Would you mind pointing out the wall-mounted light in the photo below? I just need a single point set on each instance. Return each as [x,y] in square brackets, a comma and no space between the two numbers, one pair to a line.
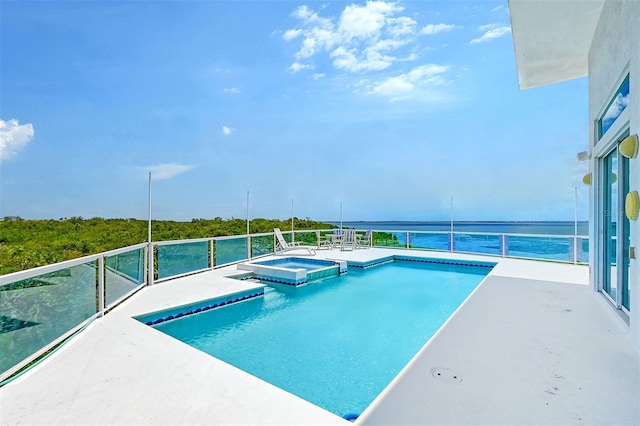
[586,179]
[632,205]
[629,146]
[583,156]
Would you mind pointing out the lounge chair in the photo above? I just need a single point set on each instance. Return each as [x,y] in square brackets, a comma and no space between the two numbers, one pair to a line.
[364,241]
[349,239]
[282,246]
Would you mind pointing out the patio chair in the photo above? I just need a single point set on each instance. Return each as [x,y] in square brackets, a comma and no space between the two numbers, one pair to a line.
[349,239]
[337,237]
[282,246]
[364,241]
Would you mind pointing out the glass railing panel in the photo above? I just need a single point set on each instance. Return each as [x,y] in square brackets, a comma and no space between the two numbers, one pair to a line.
[389,239]
[230,250]
[176,259]
[428,241]
[306,238]
[474,243]
[543,247]
[123,273]
[36,311]
[585,250]
[287,236]
[261,245]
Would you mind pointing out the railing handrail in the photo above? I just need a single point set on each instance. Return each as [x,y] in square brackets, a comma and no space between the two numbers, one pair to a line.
[185,241]
[32,272]
[511,234]
[53,267]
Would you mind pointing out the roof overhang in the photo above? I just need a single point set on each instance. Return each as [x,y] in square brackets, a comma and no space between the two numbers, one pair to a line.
[551,39]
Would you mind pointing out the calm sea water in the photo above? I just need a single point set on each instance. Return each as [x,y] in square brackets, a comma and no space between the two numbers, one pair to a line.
[541,240]
[548,228]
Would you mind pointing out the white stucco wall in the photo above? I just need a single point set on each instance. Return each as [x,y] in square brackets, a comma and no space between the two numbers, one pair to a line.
[615,49]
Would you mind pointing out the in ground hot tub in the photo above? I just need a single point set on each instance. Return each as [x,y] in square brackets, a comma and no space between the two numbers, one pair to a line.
[294,271]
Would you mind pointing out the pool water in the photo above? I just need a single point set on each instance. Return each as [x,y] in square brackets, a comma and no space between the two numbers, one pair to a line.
[298,265]
[339,342]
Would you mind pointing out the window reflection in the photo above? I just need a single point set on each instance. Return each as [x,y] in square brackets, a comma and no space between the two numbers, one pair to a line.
[618,104]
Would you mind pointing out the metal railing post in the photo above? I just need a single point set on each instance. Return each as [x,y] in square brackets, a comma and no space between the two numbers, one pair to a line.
[248,246]
[101,285]
[150,264]
[407,239]
[505,245]
[212,258]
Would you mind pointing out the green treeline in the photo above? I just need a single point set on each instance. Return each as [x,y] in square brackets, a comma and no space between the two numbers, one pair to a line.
[27,244]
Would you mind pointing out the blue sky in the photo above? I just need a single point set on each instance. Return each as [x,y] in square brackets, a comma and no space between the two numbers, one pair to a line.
[389,108]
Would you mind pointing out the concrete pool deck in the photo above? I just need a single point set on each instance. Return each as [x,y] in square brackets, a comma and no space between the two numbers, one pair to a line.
[532,345]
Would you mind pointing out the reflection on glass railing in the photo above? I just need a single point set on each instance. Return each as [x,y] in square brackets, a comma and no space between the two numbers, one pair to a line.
[123,272]
[36,311]
[429,241]
[176,259]
[389,238]
[261,245]
[474,243]
[230,250]
[545,248]
[306,238]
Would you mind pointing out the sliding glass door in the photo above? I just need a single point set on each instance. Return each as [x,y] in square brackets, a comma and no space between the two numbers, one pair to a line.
[614,261]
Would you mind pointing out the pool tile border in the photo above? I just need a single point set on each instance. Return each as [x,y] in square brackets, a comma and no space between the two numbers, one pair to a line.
[158,317]
[396,257]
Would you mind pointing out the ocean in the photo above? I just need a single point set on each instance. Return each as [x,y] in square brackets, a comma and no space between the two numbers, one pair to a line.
[498,227]
[531,240]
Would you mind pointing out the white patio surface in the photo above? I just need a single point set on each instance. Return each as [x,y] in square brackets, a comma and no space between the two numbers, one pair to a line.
[532,345]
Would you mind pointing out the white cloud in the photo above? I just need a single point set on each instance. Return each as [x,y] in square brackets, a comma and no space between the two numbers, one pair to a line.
[487,27]
[317,76]
[365,21]
[297,66]
[438,28]
[402,86]
[369,60]
[168,170]
[291,34]
[13,137]
[310,17]
[492,32]
[307,49]
[363,38]
[232,90]
[401,26]
[226,130]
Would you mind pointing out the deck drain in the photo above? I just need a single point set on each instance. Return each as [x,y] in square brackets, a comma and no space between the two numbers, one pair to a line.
[445,375]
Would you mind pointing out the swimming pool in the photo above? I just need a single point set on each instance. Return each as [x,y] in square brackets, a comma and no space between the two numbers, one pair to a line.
[339,343]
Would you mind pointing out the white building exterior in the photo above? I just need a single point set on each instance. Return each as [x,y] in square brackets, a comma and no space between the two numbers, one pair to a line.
[564,39]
